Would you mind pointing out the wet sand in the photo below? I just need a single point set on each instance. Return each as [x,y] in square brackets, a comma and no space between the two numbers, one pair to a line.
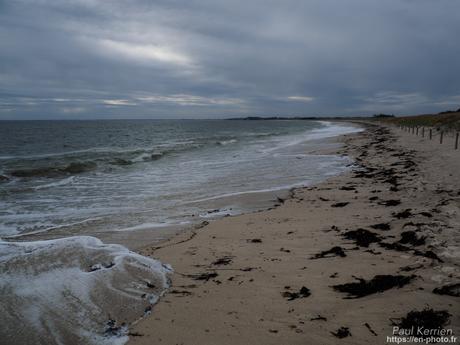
[281,276]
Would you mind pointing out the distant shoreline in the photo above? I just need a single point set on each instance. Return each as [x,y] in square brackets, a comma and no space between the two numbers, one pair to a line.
[314,118]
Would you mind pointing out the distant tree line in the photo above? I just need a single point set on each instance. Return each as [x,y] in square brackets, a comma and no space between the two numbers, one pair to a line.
[383,115]
[449,111]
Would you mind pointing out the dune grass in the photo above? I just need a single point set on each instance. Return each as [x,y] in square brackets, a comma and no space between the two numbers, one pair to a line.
[449,122]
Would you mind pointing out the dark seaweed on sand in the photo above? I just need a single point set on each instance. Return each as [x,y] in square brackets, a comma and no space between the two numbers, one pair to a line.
[303,292]
[390,202]
[334,251]
[426,214]
[428,319]
[429,254]
[204,276]
[318,318]
[370,329]
[340,204]
[362,237]
[342,332]
[401,248]
[381,226]
[347,188]
[410,237]
[403,214]
[379,283]
[449,290]
[223,261]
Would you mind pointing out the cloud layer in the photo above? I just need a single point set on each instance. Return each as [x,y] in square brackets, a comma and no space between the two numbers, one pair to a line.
[215,58]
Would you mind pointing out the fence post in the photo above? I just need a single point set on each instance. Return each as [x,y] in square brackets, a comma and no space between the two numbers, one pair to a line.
[423,132]
[431,133]
[440,137]
[417,131]
[456,141]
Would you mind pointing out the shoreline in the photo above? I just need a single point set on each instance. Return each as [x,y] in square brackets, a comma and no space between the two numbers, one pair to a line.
[231,274]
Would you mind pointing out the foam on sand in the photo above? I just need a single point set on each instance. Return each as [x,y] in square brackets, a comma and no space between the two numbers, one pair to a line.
[75,290]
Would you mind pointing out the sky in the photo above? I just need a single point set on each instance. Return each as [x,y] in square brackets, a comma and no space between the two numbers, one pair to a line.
[88,59]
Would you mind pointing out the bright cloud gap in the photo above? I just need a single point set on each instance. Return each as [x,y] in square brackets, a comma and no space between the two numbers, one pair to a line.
[301,98]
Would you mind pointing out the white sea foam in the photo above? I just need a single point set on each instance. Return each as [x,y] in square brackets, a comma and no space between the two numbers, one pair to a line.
[62,182]
[329,130]
[217,213]
[266,190]
[149,225]
[71,288]
[227,142]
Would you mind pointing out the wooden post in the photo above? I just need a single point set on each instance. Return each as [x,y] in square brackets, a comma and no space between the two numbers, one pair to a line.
[456,141]
[423,132]
[417,130]
[431,133]
[440,137]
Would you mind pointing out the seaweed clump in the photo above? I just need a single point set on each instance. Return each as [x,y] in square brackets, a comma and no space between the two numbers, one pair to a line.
[449,290]
[362,237]
[334,251]
[342,332]
[303,292]
[428,319]
[379,283]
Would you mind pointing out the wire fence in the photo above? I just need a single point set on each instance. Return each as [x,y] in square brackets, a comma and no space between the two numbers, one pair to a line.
[435,134]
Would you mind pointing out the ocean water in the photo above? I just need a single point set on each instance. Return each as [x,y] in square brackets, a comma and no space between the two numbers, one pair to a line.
[64,185]
[86,177]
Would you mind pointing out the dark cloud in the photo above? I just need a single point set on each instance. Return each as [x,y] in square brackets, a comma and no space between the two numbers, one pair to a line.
[208,58]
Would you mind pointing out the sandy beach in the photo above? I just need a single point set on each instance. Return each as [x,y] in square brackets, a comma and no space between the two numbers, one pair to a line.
[281,276]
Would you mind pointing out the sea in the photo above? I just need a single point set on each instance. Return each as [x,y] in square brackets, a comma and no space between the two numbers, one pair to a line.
[77,197]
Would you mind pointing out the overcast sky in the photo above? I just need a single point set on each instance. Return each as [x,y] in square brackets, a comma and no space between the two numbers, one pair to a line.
[209,58]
